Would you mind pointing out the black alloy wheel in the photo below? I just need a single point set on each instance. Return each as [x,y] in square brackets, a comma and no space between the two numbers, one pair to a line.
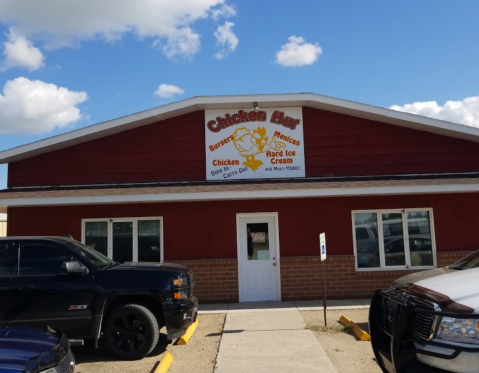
[131,332]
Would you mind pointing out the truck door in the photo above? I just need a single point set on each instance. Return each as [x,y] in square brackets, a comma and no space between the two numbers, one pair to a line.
[43,295]
[5,274]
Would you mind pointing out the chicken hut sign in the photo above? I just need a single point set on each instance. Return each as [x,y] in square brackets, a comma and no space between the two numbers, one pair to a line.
[254,144]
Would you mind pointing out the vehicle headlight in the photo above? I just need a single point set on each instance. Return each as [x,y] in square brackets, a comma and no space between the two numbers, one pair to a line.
[180,293]
[180,281]
[459,330]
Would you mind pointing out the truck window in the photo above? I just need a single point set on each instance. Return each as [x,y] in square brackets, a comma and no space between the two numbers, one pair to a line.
[40,260]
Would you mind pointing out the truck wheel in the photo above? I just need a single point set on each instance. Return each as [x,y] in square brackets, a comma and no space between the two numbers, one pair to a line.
[131,332]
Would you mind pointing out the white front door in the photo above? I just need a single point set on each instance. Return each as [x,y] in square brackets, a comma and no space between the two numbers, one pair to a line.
[258,258]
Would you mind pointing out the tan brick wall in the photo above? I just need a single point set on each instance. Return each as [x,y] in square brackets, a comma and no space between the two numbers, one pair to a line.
[216,281]
[301,278]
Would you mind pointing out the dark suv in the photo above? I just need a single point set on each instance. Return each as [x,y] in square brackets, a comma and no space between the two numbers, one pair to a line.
[64,284]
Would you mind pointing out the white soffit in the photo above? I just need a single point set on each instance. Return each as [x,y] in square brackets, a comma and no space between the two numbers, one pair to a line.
[239,195]
[239,102]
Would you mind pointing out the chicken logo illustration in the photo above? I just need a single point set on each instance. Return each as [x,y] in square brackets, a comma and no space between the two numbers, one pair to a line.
[251,144]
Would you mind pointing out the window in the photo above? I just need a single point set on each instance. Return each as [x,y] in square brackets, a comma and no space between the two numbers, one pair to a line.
[96,236]
[40,260]
[126,239]
[394,239]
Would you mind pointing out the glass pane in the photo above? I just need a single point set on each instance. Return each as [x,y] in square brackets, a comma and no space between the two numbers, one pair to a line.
[258,241]
[123,241]
[41,260]
[367,245]
[93,256]
[393,239]
[149,241]
[96,236]
[420,243]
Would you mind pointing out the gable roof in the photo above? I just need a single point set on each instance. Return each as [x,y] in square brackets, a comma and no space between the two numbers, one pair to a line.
[239,102]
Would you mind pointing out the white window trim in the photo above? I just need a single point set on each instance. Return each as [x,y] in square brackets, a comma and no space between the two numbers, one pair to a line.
[383,267]
[135,221]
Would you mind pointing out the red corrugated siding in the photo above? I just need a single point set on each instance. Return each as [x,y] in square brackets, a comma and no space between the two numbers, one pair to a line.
[342,145]
[207,230]
[173,150]
[169,150]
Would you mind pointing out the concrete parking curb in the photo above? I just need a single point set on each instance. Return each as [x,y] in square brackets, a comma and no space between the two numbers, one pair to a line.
[360,333]
[164,363]
[189,332]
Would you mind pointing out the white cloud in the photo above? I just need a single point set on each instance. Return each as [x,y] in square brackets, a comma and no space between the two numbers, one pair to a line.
[35,107]
[225,11]
[183,42]
[20,52]
[298,53]
[62,23]
[463,112]
[226,39]
[167,90]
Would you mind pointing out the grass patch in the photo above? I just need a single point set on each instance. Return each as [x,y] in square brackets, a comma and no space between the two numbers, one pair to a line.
[315,327]
[336,328]
[340,328]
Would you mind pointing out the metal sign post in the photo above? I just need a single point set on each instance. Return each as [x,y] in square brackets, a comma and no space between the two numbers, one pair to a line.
[322,246]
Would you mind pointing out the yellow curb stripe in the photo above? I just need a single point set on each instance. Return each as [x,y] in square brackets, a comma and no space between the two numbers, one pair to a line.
[360,333]
[164,364]
[189,332]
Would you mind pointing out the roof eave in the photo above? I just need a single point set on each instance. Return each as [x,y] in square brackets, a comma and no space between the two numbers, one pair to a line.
[239,102]
[241,195]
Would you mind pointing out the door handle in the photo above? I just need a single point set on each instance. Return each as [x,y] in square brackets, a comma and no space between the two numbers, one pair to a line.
[274,264]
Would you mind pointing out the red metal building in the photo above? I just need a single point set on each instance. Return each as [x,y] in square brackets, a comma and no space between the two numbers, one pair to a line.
[240,187]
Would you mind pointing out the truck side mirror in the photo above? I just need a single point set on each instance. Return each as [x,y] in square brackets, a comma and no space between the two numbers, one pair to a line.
[74,267]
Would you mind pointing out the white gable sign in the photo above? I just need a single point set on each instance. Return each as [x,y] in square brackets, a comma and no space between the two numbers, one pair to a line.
[254,144]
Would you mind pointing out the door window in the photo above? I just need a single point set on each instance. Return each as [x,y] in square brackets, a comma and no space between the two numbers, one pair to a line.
[40,260]
[258,241]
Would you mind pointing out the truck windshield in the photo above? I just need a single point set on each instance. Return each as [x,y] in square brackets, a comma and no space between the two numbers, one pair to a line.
[98,259]
[470,261]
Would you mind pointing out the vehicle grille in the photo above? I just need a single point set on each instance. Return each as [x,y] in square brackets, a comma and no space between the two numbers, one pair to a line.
[424,322]
[423,326]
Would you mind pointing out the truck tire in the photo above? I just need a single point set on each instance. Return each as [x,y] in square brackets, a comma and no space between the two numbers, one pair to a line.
[131,332]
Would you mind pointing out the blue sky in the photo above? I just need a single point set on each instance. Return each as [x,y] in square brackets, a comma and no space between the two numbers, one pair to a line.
[67,64]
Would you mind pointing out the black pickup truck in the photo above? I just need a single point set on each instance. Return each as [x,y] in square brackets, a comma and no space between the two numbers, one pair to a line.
[64,284]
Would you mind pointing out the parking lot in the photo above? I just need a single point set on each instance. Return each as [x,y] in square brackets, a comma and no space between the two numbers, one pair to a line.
[199,355]
[346,353]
